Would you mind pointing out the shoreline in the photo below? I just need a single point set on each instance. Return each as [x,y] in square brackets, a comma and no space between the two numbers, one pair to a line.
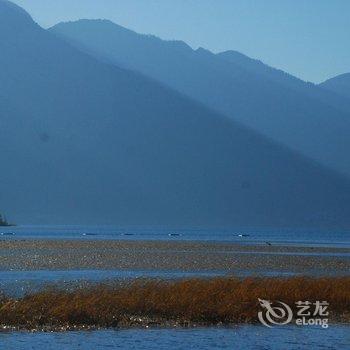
[147,324]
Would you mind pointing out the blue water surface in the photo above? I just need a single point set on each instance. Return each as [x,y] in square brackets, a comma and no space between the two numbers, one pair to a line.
[240,337]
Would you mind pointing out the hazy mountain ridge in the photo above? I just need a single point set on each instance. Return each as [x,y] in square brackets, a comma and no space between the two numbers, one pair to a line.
[301,115]
[286,80]
[257,66]
[339,85]
[85,142]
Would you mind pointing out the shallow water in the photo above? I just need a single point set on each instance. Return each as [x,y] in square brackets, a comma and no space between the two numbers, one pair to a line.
[239,235]
[240,337]
[19,283]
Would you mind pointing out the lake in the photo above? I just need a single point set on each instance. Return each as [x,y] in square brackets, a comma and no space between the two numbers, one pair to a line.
[241,337]
[19,282]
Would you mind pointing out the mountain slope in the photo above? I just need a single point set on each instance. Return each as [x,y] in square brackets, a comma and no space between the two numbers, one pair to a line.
[339,84]
[286,80]
[300,115]
[83,142]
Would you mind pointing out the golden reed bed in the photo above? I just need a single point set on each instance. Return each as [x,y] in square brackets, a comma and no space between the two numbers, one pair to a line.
[184,302]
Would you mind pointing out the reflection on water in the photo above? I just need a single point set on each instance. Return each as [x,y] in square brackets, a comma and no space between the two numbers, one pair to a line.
[241,337]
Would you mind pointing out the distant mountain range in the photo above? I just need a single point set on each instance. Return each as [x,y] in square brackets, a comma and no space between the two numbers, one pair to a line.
[339,84]
[85,141]
[302,116]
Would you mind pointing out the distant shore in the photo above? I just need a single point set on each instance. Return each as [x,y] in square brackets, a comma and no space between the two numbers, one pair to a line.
[230,258]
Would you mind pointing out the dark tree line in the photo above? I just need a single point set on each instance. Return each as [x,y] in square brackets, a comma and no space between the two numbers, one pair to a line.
[3,221]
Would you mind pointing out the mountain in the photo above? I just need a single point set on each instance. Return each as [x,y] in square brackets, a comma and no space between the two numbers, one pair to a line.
[86,142]
[339,84]
[285,79]
[300,115]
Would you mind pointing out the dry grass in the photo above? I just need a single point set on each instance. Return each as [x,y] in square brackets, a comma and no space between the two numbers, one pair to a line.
[201,301]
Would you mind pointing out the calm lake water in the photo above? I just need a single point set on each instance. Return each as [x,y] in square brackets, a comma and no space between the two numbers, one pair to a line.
[241,337]
[239,235]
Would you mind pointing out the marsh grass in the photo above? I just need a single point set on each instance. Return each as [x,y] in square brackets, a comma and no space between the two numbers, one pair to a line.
[182,302]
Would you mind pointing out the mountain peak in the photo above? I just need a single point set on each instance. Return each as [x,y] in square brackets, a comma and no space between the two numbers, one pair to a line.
[340,77]
[12,15]
[104,28]
[100,22]
[233,53]
[339,84]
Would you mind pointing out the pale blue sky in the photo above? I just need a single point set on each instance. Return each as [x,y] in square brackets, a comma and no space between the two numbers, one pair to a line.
[307,38]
